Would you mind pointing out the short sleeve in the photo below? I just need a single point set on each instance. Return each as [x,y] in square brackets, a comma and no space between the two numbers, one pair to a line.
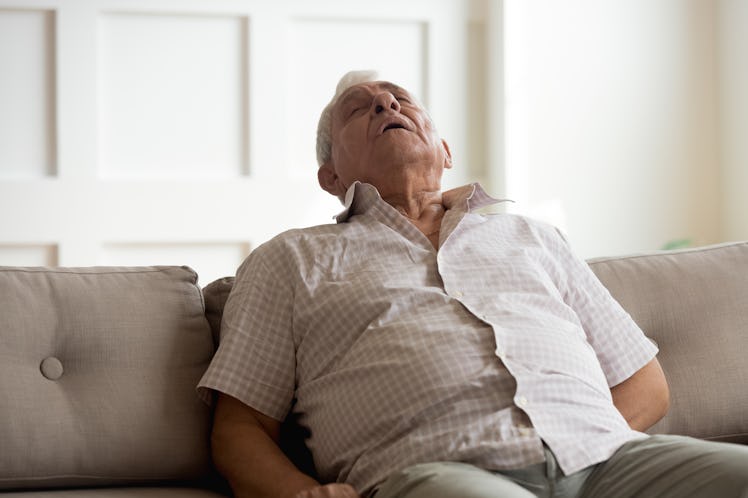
[620,345]
[255,361]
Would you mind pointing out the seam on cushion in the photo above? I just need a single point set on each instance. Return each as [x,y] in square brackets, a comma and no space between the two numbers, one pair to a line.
[123,269]
[199,290]
[715,247]
[193,282]
[722,436]
[194,274]
[202,298]
[83,476]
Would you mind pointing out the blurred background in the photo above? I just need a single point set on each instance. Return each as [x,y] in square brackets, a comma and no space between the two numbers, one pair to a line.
[141,132]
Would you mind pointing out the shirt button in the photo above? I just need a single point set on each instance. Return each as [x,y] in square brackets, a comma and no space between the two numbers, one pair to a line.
[525,431]
[521,401]
[500,352]
[458,294]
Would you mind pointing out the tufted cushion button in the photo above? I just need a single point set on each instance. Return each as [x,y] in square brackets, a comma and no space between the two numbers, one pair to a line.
[51,368]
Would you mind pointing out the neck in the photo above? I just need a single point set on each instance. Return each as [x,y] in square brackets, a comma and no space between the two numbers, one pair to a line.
[415,197]
[424,209]
[421,206]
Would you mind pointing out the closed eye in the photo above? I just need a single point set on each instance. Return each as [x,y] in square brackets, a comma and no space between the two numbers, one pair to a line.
[355,110]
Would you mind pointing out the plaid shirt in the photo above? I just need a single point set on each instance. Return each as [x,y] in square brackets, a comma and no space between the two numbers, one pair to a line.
[398,354]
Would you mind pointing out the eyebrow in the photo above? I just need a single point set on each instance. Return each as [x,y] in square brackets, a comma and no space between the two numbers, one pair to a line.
[358,91]
[393,87]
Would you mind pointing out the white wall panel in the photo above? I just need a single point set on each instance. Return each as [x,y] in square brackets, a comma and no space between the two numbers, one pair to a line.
[172,95]
[177,130]
[27,97]
[733,91]
[28,255]
[210,260]
[322,50]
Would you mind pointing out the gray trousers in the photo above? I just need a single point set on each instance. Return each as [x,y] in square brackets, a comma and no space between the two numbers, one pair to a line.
[659,466]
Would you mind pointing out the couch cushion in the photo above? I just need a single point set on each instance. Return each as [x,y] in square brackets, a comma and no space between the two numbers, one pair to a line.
[694,304]
[216,293]
[98,368]
[121,492]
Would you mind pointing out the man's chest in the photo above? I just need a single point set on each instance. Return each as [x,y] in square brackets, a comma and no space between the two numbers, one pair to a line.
[366,291]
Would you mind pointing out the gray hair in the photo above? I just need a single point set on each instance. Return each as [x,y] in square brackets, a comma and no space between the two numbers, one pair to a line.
[324,126]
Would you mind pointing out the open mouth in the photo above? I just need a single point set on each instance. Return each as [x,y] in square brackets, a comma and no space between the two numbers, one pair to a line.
[393,122]
[393,126]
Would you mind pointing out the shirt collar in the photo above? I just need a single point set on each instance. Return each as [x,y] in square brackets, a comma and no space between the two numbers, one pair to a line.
[360,196]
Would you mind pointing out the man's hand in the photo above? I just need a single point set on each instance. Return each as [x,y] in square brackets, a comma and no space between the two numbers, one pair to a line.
[329,491]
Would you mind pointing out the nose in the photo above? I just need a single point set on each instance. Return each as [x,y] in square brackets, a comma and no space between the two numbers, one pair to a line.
[384,100]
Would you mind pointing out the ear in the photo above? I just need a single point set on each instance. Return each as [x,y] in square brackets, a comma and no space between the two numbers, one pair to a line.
[448,155]
[328,179]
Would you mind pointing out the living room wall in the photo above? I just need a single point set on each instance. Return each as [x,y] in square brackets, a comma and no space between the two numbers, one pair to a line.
[142,132]
[621,121]
[624,120]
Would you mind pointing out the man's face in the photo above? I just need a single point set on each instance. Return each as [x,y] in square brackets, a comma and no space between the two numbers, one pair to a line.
[379,134]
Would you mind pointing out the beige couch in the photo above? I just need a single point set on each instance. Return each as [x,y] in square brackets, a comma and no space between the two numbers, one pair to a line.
[98,368]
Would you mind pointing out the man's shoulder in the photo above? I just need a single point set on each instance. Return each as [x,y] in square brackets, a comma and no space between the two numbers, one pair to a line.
[295,247]
[294,237]
[522,223]
[294,234]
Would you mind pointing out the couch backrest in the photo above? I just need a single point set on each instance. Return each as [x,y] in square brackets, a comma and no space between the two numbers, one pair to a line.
[694,304]
[98,368]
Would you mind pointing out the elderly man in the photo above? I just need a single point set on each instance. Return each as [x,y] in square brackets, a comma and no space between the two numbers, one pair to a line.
[434,352]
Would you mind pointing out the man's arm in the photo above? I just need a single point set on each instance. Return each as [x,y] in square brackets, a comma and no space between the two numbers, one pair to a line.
[245,450]
[643,398]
